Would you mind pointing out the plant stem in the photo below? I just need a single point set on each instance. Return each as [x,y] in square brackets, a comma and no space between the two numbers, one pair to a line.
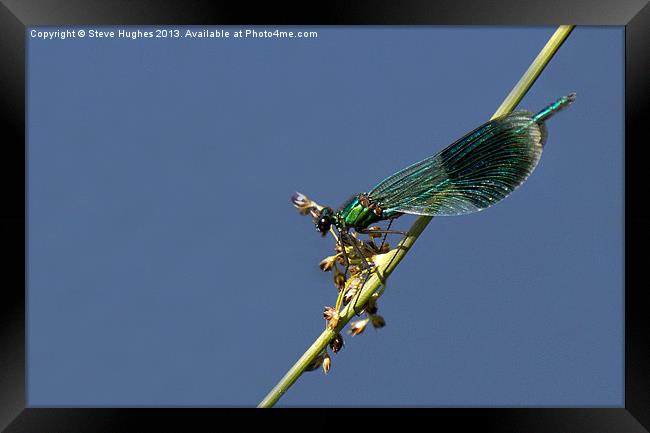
[388,262]
[534,70]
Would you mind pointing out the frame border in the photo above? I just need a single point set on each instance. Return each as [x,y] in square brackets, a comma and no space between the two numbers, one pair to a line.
[16,15]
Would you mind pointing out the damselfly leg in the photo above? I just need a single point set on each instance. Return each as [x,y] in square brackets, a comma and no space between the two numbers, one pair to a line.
[366,263]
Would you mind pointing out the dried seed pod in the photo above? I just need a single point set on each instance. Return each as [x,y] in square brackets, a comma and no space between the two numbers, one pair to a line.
[371,306]
[377,321]
[339,280]
[358,327]
[327,363]
[353,288]
[337,343]
[332,316]
[349,295]
[327,263]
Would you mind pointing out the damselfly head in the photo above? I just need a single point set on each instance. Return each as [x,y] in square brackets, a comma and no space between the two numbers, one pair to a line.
[324,220]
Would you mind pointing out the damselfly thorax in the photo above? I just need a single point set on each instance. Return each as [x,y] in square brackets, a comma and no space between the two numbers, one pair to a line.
[359,213]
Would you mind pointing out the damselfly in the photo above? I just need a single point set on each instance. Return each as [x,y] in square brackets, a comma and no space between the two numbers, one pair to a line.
[471,174]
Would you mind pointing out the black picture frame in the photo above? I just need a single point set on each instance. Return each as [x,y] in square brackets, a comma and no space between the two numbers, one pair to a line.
[16,15]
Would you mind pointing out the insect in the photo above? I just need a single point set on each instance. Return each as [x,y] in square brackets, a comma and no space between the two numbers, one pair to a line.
[471,174]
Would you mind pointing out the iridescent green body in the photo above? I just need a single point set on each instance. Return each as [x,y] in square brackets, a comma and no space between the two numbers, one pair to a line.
[469,175]
[355,215]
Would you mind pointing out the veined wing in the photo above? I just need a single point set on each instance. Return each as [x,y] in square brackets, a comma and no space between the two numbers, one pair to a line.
[471,174]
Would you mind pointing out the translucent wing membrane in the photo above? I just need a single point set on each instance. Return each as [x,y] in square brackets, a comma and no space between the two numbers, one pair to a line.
[469,175]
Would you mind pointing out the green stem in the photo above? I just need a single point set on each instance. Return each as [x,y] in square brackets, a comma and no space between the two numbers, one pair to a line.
[534,70]
[390,260]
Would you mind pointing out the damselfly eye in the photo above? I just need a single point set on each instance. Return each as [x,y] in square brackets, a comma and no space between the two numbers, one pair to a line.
[324,221]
